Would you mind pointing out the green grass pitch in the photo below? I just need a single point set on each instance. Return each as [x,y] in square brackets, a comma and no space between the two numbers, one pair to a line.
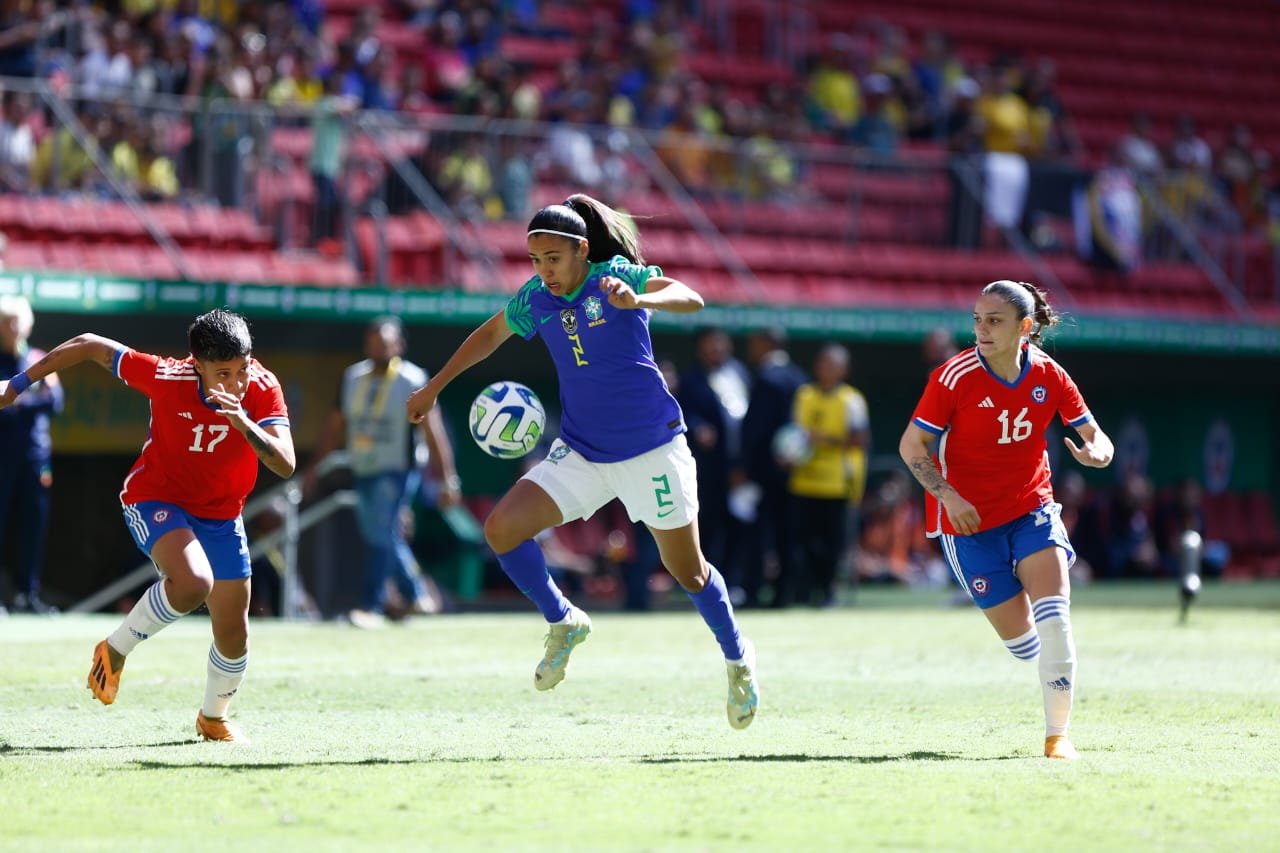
[898,723]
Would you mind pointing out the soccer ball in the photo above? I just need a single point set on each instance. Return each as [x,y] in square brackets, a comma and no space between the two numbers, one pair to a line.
[791,445]
[507,420]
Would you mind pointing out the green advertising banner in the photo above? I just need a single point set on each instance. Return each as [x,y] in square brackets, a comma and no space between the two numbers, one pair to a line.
[96,295]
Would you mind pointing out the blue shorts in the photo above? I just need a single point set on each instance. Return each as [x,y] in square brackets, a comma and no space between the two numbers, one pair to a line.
[983,563]
[224,542]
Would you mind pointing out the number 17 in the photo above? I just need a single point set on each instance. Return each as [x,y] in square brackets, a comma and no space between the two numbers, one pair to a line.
[217,432]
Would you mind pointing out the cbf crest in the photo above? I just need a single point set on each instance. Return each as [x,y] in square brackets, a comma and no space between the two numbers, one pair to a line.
[594,310]
[1039,394]
[569,319]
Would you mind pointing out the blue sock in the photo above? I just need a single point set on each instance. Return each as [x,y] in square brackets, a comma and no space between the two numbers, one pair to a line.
[527,568]
[714,607]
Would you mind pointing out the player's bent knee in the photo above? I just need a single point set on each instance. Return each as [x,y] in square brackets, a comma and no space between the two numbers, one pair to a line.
[189,592]
[494,534]
[500,533]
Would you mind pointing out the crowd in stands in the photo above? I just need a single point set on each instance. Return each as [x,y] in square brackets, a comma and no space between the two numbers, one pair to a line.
[1189,168]
[871,88]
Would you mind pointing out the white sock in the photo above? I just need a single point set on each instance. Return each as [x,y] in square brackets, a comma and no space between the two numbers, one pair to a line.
[152,612]
[1057,661]
[569,617]
[1024,647]
[225,675]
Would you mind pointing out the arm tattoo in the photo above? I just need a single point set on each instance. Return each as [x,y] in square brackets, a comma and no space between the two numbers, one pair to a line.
[260,445]
[929,476]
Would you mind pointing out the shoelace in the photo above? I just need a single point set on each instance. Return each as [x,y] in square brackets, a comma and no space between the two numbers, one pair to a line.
[558,637]
[740,687]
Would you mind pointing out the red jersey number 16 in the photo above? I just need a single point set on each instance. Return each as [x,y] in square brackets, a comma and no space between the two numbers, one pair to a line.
[1021,427]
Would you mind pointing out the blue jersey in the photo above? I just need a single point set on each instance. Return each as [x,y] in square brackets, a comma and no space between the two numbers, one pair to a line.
[615,403]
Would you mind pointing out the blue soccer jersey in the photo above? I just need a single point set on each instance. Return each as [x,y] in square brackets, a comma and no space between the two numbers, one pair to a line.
[615,403]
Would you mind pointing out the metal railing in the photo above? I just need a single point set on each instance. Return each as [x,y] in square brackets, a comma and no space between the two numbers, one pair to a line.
[94,164]
[1193,220]
[467,175]
[285,498]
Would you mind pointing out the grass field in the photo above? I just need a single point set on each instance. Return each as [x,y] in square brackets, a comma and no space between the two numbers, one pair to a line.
[898,723]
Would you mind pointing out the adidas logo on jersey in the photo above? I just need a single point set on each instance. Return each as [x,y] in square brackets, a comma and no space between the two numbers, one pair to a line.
[986,404]
[186,415]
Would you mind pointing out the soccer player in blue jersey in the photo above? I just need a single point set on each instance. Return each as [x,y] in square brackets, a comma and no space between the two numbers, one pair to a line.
[622,433]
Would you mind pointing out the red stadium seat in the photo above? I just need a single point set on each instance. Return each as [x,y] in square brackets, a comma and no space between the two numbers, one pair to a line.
[24,256]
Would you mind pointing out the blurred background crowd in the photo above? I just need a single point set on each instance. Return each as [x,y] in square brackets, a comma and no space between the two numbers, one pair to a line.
[583,67]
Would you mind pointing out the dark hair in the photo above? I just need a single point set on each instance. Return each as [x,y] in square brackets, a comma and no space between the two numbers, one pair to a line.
[606,231]
[703,332]
[219,336]
[376,324]
[834,350]
[776,336]
[1029,301]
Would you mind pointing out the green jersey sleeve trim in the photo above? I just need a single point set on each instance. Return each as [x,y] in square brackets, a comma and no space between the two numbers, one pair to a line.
[633,274]
[519,311]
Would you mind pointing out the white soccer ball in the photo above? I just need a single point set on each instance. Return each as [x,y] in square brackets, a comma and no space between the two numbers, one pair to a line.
[791,445]
[507,420]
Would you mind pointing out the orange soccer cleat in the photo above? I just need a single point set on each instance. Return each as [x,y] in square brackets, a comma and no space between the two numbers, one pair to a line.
[104,680]
[222,730]
[1059,746]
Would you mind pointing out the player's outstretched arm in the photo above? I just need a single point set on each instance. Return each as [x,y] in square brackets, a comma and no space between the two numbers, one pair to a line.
[1097,451]
[87,347]
[914,449]
[660,293]
[478,346]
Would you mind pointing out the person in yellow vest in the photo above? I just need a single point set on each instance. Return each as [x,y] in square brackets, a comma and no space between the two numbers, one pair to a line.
[387,458]
[823,486]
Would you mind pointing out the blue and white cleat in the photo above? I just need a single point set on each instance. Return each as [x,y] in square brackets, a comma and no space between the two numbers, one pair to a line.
[744,693]
[562,637]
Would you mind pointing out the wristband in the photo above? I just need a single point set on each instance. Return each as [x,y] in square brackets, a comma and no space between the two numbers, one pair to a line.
[453,483]
[20,382]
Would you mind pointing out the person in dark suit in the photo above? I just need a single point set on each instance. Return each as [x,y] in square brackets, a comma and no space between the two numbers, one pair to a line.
[758,475]
[26,475]
[713,396]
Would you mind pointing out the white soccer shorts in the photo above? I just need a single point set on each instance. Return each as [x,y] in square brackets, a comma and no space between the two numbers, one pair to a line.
[659,488]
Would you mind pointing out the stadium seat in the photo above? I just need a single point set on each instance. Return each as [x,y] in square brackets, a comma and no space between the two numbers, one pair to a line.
[24,256]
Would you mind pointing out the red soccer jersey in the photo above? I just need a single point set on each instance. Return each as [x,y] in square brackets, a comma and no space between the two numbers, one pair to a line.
[193,457]
[992,447]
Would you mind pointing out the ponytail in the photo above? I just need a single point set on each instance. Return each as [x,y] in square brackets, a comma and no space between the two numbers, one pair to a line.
[1029,301]
[608,232]
[1043,316]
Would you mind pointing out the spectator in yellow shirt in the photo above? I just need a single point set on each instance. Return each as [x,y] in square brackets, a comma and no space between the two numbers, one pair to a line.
[124,155]
[823,487]
[157,175]
[1005,116]
[835,99]
[60,162]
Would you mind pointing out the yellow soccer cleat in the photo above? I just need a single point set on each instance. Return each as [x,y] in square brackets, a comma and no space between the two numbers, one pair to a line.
[1059,746]
[744,691]
[220,730]
[104,680]
[562,638]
